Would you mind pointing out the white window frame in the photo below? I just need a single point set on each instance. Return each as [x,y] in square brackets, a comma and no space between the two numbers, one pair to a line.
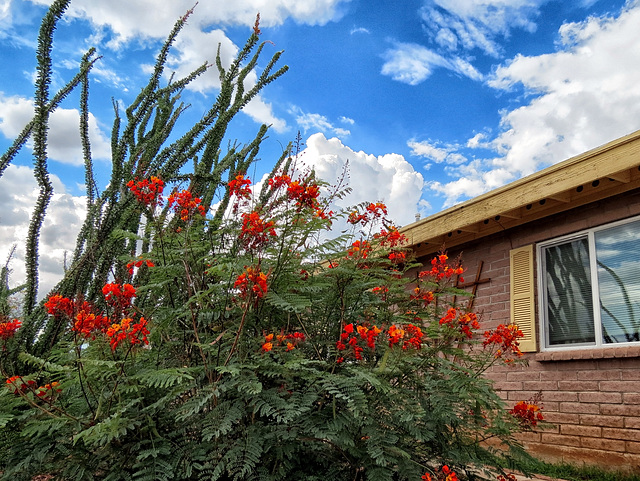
[595,288]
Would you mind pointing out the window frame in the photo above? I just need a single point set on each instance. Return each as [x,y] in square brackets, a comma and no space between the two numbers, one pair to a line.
[589,234]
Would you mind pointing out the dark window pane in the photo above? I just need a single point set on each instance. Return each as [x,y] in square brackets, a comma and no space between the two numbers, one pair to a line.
[568,294]
[618,257]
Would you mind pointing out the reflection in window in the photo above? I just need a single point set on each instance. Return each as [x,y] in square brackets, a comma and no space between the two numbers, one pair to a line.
[617,252]
[568,293]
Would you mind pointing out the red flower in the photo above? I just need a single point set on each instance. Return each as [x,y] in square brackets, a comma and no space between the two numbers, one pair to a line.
[411,336]
[58,305]
[359,249]
[147,191]
[136,333]
[186,204]
[139,263]
[18,385]
[251,281]
[8,329]
[506,339]
[87,323]
[371,212]
[239,187]
[527,413]
[119,295]
[462,321]
[256,231]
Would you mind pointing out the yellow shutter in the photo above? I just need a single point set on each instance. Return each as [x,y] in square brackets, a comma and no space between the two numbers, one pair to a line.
[522,306]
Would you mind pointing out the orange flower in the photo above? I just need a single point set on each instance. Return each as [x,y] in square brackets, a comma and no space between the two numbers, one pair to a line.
[252,280]
[147,191]
[136,333]
[58,305]
[256,231]
[239,187]
[527,413]
[8,329]
[506,339]
[186,204]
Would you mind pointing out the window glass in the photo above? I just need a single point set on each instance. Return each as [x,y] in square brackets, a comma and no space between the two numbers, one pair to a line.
[569,301]
[618,259]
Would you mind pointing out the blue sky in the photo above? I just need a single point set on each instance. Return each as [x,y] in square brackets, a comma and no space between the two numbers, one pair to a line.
[430,102]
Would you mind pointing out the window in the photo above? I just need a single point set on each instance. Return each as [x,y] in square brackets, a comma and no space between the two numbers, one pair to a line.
[590,287]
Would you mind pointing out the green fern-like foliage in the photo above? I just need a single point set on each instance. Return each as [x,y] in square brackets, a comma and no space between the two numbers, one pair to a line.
[223,335]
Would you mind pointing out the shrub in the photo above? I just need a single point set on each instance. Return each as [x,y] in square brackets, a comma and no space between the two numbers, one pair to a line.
[236,340]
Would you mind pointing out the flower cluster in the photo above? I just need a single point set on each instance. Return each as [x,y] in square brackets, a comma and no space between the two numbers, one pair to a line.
[371,212]
[184,203]
[527,413]
[87,323]
[425,296]
[147,191]
[506,340]
[461,321]
[58,306]
[255,230]
[410,336]
[48,392]
[290,341]
[135,332]
[359,249]
[445,474]
[18,385]
[304,193]
[251,281]
[351,336]
[440,269]
[8,329]
[119,296]
[239,187]
[139,263]
[391,237]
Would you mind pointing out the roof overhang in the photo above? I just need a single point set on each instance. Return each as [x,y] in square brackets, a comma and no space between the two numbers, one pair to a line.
[603,172]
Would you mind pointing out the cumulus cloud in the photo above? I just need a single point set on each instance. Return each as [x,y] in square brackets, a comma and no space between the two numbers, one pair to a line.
[386,178]
[311,121]
[577,99]
[65,214]
[64,137]
[476,24]
[412,64]
[435,153]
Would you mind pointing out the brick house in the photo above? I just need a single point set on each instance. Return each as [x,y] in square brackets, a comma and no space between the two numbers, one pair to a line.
[558,253]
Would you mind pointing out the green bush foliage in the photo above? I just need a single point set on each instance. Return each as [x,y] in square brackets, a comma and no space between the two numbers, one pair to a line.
[221,333]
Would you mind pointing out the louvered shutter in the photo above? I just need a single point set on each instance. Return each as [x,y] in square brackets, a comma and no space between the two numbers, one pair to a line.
[522,296]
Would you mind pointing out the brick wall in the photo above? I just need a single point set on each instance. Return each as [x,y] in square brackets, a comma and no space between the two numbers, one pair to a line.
[591,396]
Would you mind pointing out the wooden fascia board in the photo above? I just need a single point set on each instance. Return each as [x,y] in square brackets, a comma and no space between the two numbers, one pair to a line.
[613,158]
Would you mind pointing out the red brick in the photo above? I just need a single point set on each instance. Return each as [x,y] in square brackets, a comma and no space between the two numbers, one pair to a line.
[626,434]
[561,396]
[574,407]
[508,386]
[576,430]
[584,365]
[523,376]
[561,418]
[630,375]
[595,375]
[618,386]
[620,410]
[632,423]
[631,397]
[600,397]
[558,376]
[560,439]
[633,447]
[578,385]
[597,420]
[603,444]
[540,386]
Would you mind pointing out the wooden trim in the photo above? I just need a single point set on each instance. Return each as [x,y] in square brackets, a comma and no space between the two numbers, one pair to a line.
[522,299]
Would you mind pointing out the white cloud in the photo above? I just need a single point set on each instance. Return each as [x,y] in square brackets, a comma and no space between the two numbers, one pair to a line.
[359,30]
[582,96]
[386,178]
[476,24]
[65,214]
[412,64]
[310,121]
[435,153]
[63,136]
[123,17]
